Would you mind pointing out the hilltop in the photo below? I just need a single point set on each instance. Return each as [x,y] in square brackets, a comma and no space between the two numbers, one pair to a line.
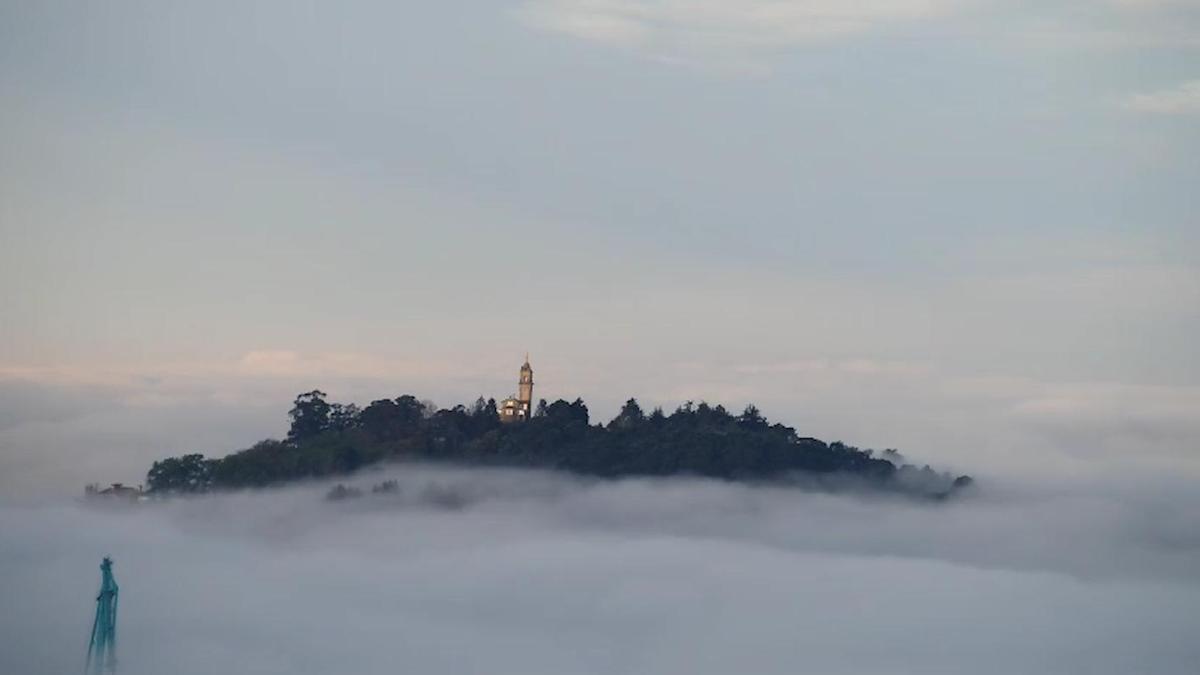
[328,439]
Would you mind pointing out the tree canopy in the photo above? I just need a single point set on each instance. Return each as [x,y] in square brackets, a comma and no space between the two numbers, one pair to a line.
[696,439]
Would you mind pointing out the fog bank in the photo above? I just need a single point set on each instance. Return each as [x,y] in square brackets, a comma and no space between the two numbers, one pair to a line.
[472,571]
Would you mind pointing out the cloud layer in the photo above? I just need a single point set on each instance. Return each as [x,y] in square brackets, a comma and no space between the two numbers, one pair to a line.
[1183,99]
[713,32]
[674,29]
[534,573]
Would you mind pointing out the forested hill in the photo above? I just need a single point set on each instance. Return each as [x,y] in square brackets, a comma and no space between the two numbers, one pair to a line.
[696,439]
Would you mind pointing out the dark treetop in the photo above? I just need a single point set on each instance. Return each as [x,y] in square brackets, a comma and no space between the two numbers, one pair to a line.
[697,439]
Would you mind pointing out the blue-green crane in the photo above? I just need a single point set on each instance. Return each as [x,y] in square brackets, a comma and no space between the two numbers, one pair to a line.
[102,650]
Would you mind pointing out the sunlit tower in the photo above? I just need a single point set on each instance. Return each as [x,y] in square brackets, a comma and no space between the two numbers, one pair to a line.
[525,384]
[102,650]
[520,407]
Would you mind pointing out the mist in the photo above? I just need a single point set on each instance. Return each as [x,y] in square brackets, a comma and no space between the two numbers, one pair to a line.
[471,570]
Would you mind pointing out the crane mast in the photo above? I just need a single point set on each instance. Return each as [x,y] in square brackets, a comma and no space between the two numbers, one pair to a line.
[102,650]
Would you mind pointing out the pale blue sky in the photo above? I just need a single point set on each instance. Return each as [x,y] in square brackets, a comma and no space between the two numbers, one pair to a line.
[778,201]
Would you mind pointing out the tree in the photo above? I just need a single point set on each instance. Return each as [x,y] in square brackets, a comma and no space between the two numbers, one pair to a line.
[485,410]
[309,415]
[389,420]
[579,410]
[484,416]
[561,412]
[189,473]
[751,417]
[343,417]
[379,419]
[631,416]
[413,411]
[478,406]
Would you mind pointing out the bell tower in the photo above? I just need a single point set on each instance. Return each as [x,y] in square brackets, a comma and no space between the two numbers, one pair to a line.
[525,386]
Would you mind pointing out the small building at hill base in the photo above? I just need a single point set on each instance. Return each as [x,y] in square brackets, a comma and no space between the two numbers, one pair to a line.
[115,491]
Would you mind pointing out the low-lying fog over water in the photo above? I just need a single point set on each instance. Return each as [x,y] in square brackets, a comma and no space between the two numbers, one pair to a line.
[484,571]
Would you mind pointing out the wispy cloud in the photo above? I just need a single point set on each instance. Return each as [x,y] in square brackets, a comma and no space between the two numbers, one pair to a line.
[744,35]
[291,363]
[259,363]
[1182,99]
[700,29]
[855,366]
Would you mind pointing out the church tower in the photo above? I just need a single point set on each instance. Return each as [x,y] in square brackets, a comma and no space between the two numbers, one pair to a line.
[520,407]
[525,385]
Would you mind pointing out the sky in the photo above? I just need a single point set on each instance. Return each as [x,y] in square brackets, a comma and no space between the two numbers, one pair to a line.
[966,229]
